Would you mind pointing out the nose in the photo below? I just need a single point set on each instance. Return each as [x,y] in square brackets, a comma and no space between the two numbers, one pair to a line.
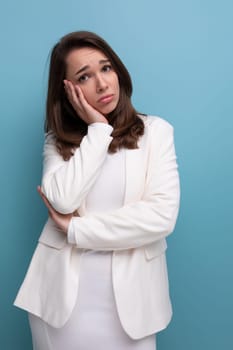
[101,83]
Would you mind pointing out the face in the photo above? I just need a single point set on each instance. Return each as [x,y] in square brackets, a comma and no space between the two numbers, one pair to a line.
[92,71]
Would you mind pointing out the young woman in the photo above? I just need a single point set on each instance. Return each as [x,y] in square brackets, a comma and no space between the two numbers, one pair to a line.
[98,277]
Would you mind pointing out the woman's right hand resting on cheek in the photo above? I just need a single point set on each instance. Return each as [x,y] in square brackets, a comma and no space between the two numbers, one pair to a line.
[81,106]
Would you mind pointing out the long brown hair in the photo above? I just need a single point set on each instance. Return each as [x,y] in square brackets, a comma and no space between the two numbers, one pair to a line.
[61,118]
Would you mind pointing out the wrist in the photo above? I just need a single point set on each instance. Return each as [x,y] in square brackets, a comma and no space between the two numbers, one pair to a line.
[102,127]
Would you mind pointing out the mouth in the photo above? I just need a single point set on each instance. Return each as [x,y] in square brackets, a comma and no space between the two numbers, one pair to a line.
[106,98]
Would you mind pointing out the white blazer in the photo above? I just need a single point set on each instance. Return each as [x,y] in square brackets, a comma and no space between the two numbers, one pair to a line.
[135,232]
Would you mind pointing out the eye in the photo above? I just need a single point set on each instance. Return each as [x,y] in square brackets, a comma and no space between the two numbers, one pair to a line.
[107,68]
[83,78]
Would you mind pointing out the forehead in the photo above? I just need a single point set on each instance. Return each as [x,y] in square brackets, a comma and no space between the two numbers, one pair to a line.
[84,56]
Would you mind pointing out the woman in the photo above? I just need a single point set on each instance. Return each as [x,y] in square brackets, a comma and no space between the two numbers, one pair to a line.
[98,276]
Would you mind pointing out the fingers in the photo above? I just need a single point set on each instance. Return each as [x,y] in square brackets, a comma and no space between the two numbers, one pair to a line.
[80,95]
[84,110]
[77,99]
[84,105]
[72,95]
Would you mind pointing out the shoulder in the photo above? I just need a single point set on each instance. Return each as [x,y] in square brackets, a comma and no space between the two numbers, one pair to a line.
[159,134]
[156,124]
[49,138]
[50,144]
[50,141]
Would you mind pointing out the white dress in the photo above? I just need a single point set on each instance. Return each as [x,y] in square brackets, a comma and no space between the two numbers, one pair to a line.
[94,322]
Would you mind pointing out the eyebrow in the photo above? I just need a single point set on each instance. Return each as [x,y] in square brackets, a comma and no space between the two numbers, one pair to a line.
[86,67]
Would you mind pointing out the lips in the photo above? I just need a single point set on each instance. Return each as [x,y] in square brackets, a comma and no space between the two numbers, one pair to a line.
[106,98]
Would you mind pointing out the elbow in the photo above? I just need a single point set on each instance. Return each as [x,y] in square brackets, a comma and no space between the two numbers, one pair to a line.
[175,205]
[59,202]
[168,214]
[63,208]
[173,219]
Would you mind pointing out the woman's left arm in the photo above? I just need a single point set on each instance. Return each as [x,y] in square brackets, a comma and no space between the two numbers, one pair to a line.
[145,221]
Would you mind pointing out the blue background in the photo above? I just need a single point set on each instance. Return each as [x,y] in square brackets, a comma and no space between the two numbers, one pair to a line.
[180,56]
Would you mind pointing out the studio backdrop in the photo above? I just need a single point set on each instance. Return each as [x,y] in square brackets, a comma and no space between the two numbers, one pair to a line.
[179,54]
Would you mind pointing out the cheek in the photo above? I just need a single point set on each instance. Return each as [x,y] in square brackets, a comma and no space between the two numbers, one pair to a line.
[117,86]
[87,92]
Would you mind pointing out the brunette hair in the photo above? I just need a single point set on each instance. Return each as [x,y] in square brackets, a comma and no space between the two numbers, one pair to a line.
[63,121]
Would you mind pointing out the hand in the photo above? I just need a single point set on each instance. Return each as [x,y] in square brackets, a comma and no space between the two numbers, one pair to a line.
[80,104]
[61,220]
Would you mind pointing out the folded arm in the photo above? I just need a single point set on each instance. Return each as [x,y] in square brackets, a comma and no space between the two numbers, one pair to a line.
[140,223]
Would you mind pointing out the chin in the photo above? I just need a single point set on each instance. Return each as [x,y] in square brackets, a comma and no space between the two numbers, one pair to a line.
[108,109]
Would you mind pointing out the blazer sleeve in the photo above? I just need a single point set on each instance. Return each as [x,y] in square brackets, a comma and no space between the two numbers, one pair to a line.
[145,221]
[66,183]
